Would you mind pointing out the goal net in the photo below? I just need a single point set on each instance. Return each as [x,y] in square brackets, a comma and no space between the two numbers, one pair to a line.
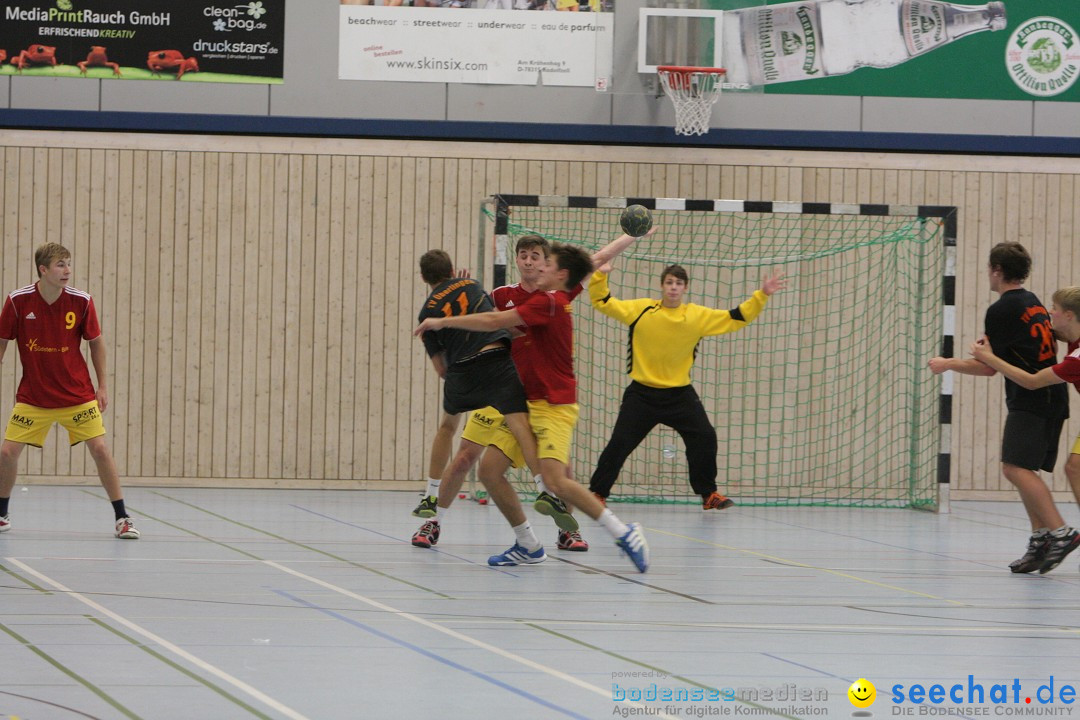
[825,399]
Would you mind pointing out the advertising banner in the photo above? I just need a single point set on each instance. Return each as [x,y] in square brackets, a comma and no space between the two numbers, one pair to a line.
[472,45]
[193,40]
[1019,50]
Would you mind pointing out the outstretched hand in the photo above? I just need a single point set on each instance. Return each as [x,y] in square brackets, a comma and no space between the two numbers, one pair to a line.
[773,282]
[463,273]
[428,324]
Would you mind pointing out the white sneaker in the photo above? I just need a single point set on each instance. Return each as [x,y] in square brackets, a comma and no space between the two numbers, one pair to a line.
[5,523]
[125,529]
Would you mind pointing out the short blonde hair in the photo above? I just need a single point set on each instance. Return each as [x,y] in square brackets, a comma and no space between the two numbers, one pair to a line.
[1068,298]
[49,253]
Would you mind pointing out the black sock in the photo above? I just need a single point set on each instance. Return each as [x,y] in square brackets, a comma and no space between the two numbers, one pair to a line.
[4,506]
[118,508]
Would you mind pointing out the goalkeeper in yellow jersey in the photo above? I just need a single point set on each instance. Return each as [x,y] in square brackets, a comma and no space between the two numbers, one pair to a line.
[664,335]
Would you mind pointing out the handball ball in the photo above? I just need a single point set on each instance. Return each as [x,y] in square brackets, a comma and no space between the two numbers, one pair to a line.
[636,220]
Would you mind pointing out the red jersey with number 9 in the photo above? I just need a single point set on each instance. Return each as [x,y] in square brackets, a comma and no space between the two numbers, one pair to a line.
[49,338]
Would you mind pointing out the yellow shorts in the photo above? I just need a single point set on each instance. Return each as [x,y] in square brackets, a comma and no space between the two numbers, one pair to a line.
[30,425]
[487,427]
[1076,447]
[553,426]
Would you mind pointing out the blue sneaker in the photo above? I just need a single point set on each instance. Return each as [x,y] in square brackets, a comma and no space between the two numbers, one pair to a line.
[517,555]
[634,545]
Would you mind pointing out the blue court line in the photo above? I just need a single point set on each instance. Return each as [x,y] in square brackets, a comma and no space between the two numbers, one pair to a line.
[397,539]
[427,653]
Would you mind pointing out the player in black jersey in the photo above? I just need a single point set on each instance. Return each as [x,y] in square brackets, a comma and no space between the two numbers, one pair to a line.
[1018,330]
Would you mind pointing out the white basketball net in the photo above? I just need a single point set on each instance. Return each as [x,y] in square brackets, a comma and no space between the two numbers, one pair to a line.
[693,92]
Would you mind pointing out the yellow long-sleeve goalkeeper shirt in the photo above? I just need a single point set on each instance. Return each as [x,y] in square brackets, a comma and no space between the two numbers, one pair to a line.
[663,341]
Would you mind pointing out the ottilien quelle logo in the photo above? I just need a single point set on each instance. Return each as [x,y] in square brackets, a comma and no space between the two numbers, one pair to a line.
[1043,57]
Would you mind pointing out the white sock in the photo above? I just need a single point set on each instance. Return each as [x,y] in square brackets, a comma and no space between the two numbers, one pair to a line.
[612,524]
[1061,531]
[433,487]
[539,480]
[526,537]
[440,513]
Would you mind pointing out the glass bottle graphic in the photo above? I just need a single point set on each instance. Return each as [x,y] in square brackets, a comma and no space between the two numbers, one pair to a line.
[817,38]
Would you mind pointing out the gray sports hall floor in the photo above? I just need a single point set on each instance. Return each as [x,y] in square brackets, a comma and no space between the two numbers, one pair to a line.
[313,604]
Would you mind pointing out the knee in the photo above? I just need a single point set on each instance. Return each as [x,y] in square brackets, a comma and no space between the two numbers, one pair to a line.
[98,448]
[10,451]
[1072,467]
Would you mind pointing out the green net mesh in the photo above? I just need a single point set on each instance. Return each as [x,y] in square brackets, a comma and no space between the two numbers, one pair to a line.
[825,399]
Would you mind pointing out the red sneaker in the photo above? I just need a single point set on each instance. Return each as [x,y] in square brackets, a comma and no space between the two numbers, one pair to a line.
[716,501]
[572,541]
[427,535]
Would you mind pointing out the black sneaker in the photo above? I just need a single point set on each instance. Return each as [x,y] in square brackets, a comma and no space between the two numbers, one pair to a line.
[426,508]
[1057,548]
[1033,558]
[555,509]
[427,535]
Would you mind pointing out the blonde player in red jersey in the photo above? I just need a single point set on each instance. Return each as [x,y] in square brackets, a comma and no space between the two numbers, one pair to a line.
[49,320]
[551,386]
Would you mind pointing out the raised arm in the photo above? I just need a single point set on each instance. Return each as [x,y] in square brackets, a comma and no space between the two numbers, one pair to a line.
[614,248]
[982,353]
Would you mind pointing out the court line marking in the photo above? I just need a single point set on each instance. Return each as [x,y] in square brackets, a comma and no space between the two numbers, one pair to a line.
[175,649]
[178,667]
[101,694]
[431,655]
[796,563]
[296,543]
[686,680]
[398,540]
[506,654]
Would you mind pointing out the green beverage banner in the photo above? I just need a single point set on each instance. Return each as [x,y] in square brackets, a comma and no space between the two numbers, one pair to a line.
[1019,50]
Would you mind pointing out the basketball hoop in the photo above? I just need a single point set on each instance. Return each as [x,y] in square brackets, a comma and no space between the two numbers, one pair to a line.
[693,90]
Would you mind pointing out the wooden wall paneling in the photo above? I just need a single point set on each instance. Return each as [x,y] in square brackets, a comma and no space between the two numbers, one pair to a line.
[401,279]
[616,180]
[13,273]
[49,193]
[104,201]
[234,296]
[376,352]
[366,418]
[333,270]
[176,194]
[600,174]
[161,186]
[417,380]
[209,438]
[986,393]
[243,304]
[224,435]
[562,178]
[317,253]
[29,228]
[142,432]
[307,288]
[351,314]
[189,315]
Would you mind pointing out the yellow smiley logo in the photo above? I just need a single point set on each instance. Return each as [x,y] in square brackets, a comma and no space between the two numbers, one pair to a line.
[862,693]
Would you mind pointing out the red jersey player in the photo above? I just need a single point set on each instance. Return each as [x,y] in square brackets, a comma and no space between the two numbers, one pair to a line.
[49,320]
[551,387]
